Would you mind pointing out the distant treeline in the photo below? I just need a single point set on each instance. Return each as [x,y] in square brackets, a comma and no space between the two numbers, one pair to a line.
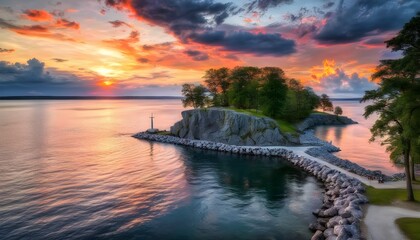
[266,89]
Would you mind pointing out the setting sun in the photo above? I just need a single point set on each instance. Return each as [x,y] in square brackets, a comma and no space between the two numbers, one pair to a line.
[108,83]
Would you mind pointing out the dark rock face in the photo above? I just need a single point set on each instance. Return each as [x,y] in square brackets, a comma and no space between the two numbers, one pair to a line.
[227,126]
[318,119]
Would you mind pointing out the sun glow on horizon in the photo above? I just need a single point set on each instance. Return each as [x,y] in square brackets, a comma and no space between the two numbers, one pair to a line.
[108,83]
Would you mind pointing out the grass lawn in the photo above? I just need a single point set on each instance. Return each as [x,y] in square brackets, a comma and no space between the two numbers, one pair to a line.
[387,196]
[320,112]
[410,227]
[284,126]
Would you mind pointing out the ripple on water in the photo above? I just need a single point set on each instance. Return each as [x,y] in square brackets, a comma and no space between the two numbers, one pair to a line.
[77,175]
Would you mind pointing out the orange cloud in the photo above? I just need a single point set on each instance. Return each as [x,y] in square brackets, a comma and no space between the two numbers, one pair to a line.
[64,23]
[37,15]
[35,31]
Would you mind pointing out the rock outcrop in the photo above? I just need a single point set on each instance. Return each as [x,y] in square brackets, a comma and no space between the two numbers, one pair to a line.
[318,119]
[227,126]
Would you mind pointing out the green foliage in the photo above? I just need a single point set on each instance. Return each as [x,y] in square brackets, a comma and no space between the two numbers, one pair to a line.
[300,101]
[264,88]
[273,95]
[243,92]
[218,82]
[397,100]
[410,227]
[194,95]
[338,111]
[325,103]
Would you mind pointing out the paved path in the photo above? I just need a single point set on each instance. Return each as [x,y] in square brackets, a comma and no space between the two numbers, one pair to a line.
[301,152]
[380,221]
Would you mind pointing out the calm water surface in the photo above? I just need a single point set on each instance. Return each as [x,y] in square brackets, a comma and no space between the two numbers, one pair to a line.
[70,170]
[354,139]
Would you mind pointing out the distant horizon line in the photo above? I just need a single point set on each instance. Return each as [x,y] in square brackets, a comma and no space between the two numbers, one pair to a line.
[118,97]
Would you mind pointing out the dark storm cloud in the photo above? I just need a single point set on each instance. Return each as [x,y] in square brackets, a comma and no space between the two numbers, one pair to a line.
[241,41]
[32,76]
[340,82]
[180,16]
[264,5]
[354,21]
[197,55]
[201,21]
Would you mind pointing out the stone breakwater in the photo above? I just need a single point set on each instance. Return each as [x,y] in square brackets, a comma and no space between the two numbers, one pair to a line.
[340,214]
[308,138]
[324,153]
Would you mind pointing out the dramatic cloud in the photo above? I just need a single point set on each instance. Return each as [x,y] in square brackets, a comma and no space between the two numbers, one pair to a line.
[64,23]
[340,82]
[336,82]
[365,18]
[21,78]
[37,15]
[197,55]
[241,41]
[126,45]
[34,31]
[199,21]
[265,4]
[4,50]
[118,23]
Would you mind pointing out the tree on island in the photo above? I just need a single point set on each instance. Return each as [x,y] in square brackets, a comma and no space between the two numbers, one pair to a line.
[338,111]
[254,88]
[218,82]
[243,92]
[325,103]
[397,100]
[273,95]
[300,101]
[194,95]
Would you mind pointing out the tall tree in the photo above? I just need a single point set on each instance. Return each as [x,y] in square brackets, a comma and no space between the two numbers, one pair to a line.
[218,82]
[397,100]
[273,95]
[244,87]
[325,103]
[194,95]
[338,110]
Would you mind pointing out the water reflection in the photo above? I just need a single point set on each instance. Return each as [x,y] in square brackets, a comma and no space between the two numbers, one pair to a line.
[69,169]
[354,140]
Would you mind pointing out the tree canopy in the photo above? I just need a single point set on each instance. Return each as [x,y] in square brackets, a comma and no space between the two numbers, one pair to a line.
[194,95]
[397,100]
[325,103]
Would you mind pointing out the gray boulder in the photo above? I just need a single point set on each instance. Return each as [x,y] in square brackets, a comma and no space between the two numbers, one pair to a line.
[318,119]
[227,126]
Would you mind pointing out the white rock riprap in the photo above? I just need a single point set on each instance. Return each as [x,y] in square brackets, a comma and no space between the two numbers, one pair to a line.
[339,216]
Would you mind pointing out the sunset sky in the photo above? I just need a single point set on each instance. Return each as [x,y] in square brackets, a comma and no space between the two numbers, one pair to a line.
[151,47]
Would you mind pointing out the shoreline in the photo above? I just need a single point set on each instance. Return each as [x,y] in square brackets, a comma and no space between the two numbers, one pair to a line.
[341,212]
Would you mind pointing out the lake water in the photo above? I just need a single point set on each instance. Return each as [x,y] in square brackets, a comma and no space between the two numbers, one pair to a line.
[70,170]
[354,139]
